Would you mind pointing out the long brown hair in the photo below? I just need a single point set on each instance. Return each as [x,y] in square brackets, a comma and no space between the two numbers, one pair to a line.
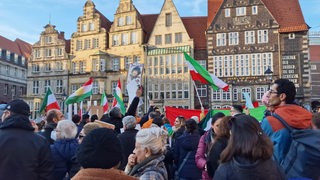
[247,140]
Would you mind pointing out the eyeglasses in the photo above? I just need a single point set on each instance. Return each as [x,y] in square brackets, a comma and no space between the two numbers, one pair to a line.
[81,136]
[272,91]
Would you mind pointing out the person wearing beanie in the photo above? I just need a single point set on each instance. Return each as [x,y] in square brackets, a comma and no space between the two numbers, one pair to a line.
[99,155]
[24,154]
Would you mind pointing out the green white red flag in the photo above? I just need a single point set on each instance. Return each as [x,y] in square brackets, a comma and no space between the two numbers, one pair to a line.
[82,93]
[199,73]
[118,98]
[104,102]
[49,101]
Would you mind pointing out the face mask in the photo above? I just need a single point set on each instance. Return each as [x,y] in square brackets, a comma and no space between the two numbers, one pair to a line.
[53,135]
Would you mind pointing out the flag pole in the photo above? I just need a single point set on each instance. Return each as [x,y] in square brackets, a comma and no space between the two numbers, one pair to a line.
[197,93]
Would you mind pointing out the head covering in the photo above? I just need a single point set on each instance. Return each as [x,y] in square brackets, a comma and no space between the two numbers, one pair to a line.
[100,149]
[196,118]
[90,126]
[19,107]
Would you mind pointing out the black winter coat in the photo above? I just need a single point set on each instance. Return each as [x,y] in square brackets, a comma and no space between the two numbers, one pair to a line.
[240,168]
[64,157]
[23,153]
[127,141]
[46,132]
[214,155]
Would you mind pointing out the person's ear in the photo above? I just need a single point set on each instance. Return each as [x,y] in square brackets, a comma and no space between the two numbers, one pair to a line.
[282,96]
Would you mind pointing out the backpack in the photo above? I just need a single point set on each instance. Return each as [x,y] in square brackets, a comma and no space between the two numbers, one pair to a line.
[303,156]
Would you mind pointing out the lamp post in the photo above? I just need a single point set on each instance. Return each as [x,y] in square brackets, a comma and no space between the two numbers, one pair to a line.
[64,97]
[268,73]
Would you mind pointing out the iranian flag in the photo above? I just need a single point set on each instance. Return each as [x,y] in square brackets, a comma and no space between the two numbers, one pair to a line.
[199,73]
[49,101]
[118,99]
[104,102]
[82,93]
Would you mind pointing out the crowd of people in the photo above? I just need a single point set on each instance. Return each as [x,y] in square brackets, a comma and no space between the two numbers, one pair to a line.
[236,147]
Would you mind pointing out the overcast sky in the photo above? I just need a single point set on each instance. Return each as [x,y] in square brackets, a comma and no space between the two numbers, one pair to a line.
[25,19]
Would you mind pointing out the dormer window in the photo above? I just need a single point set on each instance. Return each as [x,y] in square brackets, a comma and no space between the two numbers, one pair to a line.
[254,10]
[168,19]
[291,36]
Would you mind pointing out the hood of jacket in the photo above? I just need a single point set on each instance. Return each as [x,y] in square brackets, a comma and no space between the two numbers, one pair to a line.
[66,148]
[295,116]
[17,121]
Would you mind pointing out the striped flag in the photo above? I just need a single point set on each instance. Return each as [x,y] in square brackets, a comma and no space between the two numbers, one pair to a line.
[118,99]
[82,93]
[104,102]
[49,102]
[199,73]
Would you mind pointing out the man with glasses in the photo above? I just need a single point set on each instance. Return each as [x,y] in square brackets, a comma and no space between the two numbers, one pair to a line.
[52,118]
[24,154]
[281,98]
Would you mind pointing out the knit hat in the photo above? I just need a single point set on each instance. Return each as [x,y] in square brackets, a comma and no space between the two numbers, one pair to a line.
[100,149]
[19,107]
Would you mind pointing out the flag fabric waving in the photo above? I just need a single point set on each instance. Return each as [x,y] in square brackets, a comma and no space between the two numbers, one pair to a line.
[104,102]
[118,99]
[49,101]
[199,73]
[80,94]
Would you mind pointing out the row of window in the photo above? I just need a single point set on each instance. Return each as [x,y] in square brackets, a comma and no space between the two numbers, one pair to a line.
[250,38]
[234,95]
[241,11]
[13,90]
[47,67]
[58,88]
[169,91]
[12,71]
[84,27]
[167,64]
[242,65]
[168,38]
[122,21]
[48,52]
[123,39]
[10,56]
[87,44]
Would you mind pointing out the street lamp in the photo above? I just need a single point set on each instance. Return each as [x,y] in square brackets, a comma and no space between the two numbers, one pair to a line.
[64,97]
[268,73]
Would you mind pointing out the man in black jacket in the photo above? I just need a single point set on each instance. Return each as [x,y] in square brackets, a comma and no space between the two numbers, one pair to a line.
[127,139]
[24,154]
[52,118]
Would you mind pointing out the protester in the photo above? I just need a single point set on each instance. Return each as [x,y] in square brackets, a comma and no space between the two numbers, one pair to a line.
[281,98]
[222,134]
[152,116]
[52,118]
[236,110]
[184,152]
[316,120]
[205,145]
[94,117]
[76,119]
[100,155]
[24,154]
[87,129]
[146,162]
[64,150]
[248,154]
[127,139]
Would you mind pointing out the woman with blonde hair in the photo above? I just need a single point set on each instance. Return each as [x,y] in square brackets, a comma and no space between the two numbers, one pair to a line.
[146,161]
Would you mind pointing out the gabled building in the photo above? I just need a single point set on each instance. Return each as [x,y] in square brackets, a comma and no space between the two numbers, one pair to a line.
[88,51]
[14,56]
[48,67]
[127,36]
[315,72]
[246,37]
[167,78]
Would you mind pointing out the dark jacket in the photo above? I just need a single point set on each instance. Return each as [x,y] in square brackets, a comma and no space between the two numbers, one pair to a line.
[102,174]
[127,141]
[214,155]
[244,169]
[117,121]
[184,144]
[23,153]
[63,154]
[46,132]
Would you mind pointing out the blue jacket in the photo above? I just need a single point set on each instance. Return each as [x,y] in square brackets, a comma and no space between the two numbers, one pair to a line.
[184,144]
[296,117]
[63,154]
